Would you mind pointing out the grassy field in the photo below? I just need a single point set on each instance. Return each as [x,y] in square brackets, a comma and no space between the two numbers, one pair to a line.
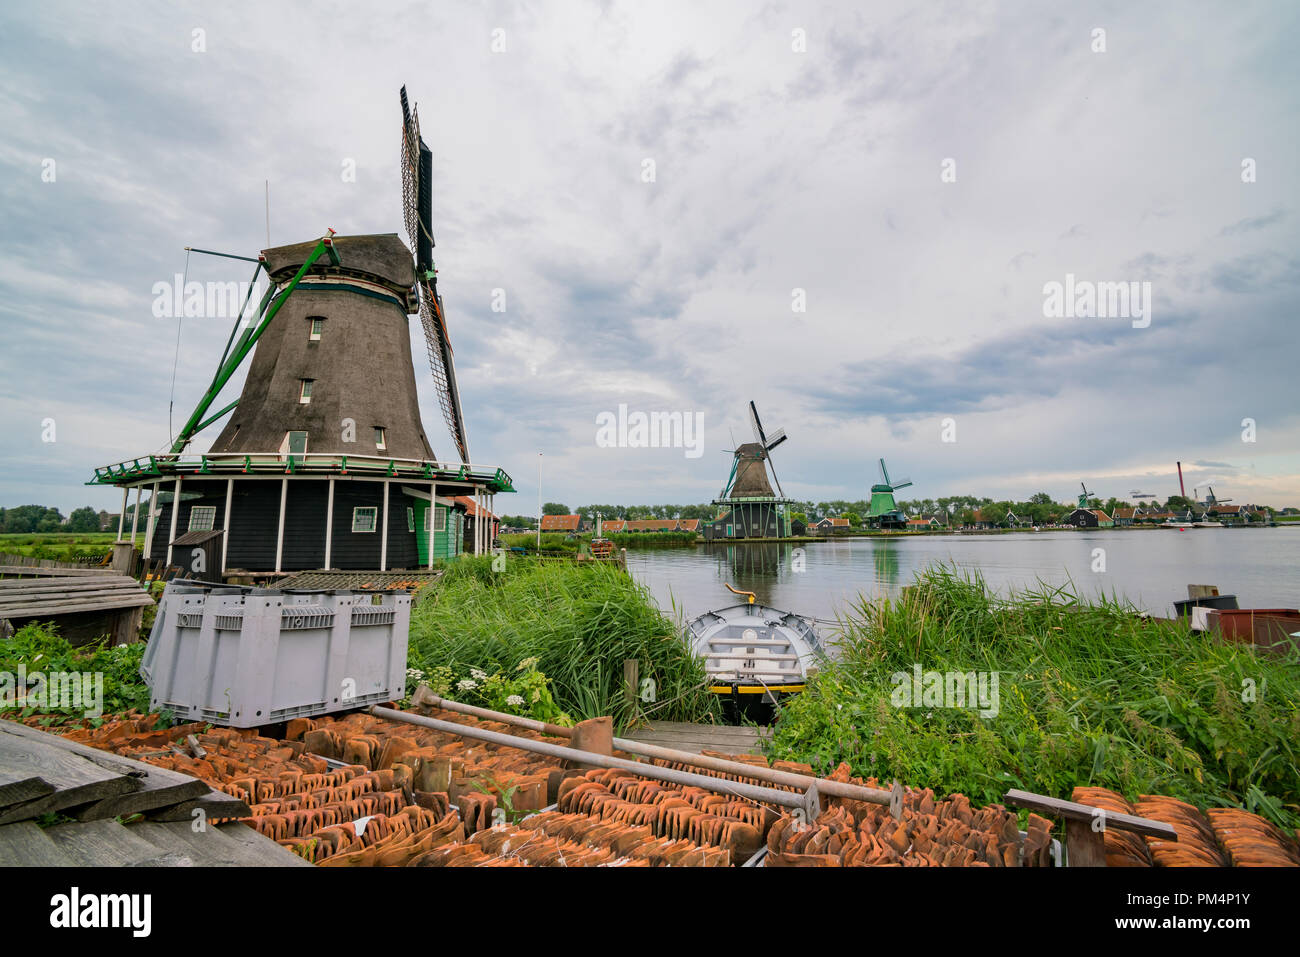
[1088,694]
[575,623]
[59,546]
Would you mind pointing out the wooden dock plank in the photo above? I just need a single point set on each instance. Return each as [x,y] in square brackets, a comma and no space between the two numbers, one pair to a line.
[207,848]
[25,845]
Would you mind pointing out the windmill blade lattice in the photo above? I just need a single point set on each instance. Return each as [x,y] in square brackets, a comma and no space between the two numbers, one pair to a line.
[416,171]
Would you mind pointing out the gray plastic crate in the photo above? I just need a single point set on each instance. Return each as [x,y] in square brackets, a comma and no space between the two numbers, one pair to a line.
[244,657]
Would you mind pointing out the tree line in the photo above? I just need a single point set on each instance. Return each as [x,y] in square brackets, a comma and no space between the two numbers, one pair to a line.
[1039,509]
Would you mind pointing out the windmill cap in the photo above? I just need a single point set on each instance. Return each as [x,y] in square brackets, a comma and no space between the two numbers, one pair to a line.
[378,257]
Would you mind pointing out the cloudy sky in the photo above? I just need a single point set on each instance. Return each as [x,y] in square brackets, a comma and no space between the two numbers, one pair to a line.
[919,174]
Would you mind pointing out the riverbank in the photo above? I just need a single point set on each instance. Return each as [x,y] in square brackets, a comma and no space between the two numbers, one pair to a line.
[1062,692]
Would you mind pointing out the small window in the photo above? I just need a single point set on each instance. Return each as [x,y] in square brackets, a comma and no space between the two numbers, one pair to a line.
[317,327]
[365,519]
[410,519]
[439,519]
[379,438]
[304,395]
[202,517]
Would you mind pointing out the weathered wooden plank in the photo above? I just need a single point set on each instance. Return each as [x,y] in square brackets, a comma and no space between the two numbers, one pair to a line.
[209,847]
[55,609]
[39,572]
[24,597]
[263,851]
[109,844]
[156,794]
[74,779]
[119,776]
[25,845]
[54,583]
[20,784]
[1085,813]
[214,804]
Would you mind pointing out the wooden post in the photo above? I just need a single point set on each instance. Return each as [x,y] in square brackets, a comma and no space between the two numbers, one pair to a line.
[1084,847]
[149,525]
[124,558]
[631,681]
[329,525]
[135,514]
[428,536]
[225,526]
[279,533]
[383,534]
[121,519]
[176,511]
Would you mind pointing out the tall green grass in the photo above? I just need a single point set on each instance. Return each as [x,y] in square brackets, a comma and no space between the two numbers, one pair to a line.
[1089,694]
[580,621]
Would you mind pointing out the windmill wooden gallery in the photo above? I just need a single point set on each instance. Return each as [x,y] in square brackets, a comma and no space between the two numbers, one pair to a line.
[323,462]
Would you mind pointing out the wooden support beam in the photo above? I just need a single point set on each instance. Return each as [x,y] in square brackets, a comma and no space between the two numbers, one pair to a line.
[329,524]
[225,526]
[383,531]
[176,511]
[279,534]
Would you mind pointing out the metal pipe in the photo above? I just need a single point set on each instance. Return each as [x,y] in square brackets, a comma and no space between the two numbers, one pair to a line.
[753,792]
[840,789]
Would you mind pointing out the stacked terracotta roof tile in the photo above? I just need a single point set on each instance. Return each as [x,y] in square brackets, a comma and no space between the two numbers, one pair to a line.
[391,804]
[1220,837]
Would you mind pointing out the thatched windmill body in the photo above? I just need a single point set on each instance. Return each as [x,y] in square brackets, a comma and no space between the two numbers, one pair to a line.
[324,461]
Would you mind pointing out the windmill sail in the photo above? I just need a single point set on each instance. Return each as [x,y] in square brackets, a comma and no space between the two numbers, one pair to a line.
[417,202]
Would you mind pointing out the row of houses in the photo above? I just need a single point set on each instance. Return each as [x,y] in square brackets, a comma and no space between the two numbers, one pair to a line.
[578,524]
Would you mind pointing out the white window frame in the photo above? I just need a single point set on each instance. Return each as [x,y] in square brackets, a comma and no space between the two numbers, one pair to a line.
[316,328]
[210,511]
[304,390]
[441,525]
[374,519]
[410,519]
[381,438]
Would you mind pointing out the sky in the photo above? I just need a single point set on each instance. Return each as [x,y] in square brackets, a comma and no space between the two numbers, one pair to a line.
[847,214]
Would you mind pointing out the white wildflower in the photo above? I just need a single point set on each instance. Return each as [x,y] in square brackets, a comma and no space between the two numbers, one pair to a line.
[465,684]
[515,700]
[477,674]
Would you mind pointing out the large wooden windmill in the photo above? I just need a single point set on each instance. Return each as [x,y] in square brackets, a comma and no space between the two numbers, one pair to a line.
[324,461]
[748,508]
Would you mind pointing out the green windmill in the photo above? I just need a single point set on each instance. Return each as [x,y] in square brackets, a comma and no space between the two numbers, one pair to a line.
[884,510]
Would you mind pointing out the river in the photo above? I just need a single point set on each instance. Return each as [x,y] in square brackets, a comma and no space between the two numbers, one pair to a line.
[1149,568]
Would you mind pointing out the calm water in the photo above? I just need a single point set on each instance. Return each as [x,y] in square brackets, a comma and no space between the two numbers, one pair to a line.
[1148,568]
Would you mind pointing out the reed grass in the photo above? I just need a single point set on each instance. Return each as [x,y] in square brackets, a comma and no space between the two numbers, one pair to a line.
[580,621]
[1089,694]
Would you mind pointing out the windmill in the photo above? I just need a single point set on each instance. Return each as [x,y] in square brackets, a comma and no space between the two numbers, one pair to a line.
[323,462]
[884,510]
[1211,500]
[750,508]
[1084,495]
[417,204]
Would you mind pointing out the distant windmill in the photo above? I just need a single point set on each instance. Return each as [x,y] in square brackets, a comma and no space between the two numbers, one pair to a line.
[1084,495]
[750,508]
[1210,500]
[884,510]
